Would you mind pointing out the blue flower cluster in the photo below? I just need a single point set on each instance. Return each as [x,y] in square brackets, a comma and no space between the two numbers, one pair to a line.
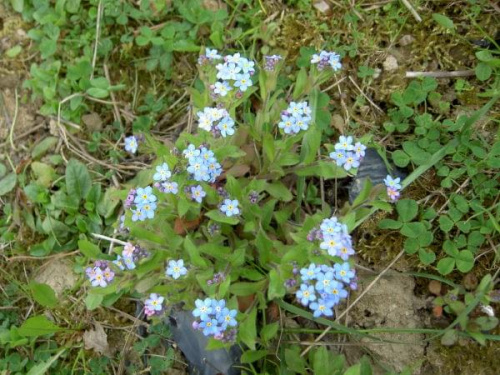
[323,287]
[393,187]
[203,166]
[154,305]
[346,154]
[145,203]
[100,274]
[131,254]
[235,72]
[214,317]
[295,118]
[327,59]
[334,238]
[216,120]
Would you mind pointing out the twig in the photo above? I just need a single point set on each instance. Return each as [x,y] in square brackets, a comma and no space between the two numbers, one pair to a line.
[355,301]
[412,10]
[14,120]
[112,95]
[366,96]
[28,257]
[32,130]
[110,239]
[334,84]
[456,73]
[97,33]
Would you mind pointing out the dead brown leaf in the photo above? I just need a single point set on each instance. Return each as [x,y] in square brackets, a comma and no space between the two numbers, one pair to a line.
[97,339]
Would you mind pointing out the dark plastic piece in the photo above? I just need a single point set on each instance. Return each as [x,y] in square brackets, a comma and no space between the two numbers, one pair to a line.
[372,167]
[192,343]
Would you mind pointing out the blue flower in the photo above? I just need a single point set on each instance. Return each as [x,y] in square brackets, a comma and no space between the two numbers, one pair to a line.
[339,156]
[197,193]
[191,151]
[212,54]
[295,109]
[309,273]
[323,281]
[359,149]
[393,183]
[154,302]
[227,318]
[243,81]
[335,291]
[218,307]
[330,227]
[207,155]
[145,195]
[138,214]
[170,187]
[247,66]
[131,144]
[203,308]
[322,307]
[119,262]
[162,173]
[176,269]
[148,209]
[345,250]
[343,272]
[210,327]
[222,88]
[287,124]
[230,207]
[351,161]
[226,126]
[344,143]
[98,278]
[331,244]
[129,263]
[306,294]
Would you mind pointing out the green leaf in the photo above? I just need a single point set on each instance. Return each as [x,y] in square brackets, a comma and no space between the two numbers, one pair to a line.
[8,183]
[465,261]
[445,223]
[300,83]
[48,47]
[269,331]
[43,147]
[38,326]
[98,93]
[294,361]
[483,71]
[389,224]
[17,5]
[43,294]
[253,355]
[444,21]
[276,285]
[413,230]
[194,254]
[89,249]
[325,169]
[426,256]
[325,363]
[446,265]
[14,51]
[246,288]
[93,301]
[248,329]
[279,191]
[42,367]
[218,216]
[407,209]
[78,180]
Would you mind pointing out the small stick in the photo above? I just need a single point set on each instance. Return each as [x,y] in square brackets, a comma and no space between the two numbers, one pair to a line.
[14,120]
[110,239]
[412,10]
[366,96]
[97,33]
[456,73]
[355,301]
[112,94]
[28,257]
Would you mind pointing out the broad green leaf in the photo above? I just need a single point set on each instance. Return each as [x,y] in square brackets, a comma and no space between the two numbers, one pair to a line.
[248,329]
[276,285]
[269,331]
[446,265]
[483,71]
[246,288]
[389,224]
[38,326]
[464,261]
[325,169]
[17,5]
[98,92]
[93,301]
[426,256]
[253,355]
[279,191]
[43,294]
[194,253]
[300,83]
[43,147]
[407,209]
[44,366]
[412,230]
[14,51]
[444,21]
[218,216]
[8,183]
[294,361]
[89,249]
[78,180]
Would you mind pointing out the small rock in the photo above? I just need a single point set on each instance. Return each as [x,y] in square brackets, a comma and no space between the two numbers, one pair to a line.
[58,274]
[435,287]
[390,63]
[93,122]
[406,40]
[322,7]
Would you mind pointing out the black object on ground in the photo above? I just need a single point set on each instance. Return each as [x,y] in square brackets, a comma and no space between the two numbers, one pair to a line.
[192,343]
[371,167]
